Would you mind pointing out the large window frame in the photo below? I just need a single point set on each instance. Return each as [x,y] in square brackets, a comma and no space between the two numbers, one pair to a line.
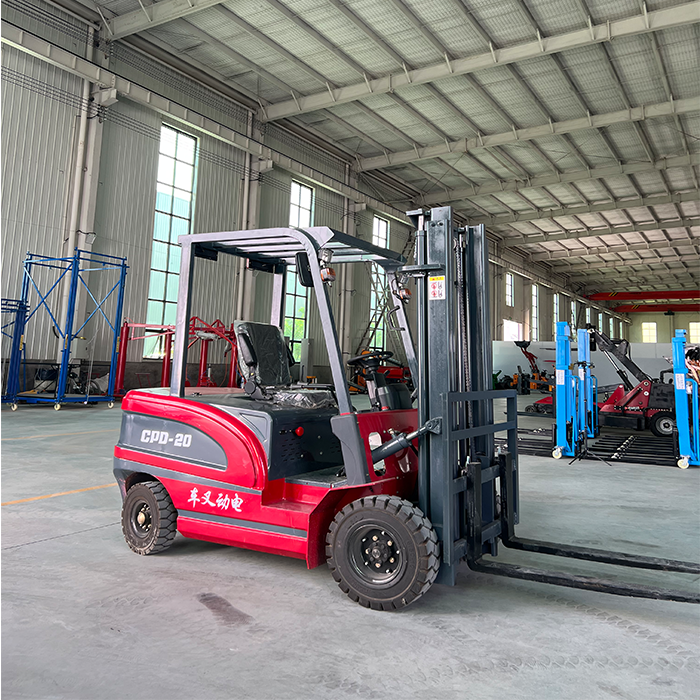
[510,283]
[694,332]
[555,313]
[380,237]
[176,183]
[649,334]
[296,296]
[535,314]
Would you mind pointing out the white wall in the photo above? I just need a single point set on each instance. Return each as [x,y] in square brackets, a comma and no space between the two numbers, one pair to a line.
[649,357]
[666,326]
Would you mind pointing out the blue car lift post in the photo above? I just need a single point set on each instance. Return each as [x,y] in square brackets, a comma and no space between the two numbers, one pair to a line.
[576,395]
[73,269]
[687,406]
[587,388]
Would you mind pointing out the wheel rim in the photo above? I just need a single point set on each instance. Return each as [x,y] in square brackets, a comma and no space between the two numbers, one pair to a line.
[141,519]
[375,555]
[665,426]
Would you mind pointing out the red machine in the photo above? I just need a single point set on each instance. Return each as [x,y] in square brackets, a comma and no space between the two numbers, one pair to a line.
[199,331]
[214,466]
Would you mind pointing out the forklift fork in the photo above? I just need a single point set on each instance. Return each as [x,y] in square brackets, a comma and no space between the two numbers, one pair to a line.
[477,534]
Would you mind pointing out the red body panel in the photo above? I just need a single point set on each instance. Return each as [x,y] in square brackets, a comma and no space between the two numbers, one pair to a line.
[238,506]
[635,402]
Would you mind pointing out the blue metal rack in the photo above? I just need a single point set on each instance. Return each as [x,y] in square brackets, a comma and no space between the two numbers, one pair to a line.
[576,395]
[687,406]
[587,387]
[74,270]
[566,426]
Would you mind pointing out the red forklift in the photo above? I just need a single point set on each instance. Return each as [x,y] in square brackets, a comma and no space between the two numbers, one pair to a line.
[392,497]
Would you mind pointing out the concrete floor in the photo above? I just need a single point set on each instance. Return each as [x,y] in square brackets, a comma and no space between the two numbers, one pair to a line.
[85,618]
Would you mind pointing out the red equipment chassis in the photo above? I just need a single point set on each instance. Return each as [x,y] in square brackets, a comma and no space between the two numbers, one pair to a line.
[232,500]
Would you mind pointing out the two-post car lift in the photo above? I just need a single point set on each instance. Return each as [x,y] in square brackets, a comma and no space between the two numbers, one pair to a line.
[290,469]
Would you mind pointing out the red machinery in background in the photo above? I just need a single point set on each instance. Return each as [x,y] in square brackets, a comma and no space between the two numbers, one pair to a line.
[199,331]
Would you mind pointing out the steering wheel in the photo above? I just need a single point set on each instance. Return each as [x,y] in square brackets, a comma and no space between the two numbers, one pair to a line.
[370,359]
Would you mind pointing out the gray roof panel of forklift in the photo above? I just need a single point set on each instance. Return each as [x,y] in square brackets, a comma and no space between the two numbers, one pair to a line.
[280,245]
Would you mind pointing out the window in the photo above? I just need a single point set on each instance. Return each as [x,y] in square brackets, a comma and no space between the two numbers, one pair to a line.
[296,295]
[648,332]
[509,289]
[380,237]
[175,184]
[512,330]
[600,323]
[573,315]
[588,314]
[611,323]
[555,312]
[535,314]
[694,332]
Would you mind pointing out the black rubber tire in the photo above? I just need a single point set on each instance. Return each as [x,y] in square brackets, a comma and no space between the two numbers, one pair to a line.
[662,424]
[149,501]
[407,539]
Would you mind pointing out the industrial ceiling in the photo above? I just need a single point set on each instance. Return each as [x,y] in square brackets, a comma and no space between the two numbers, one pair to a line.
[569,127]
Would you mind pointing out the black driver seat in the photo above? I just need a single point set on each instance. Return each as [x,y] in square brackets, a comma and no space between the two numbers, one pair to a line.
[264,360]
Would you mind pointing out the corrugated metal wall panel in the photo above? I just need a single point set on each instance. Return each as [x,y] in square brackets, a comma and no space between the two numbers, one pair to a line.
[126,205]
[48,22]
[294,147]
[37,146]
[153,75]
[217,208]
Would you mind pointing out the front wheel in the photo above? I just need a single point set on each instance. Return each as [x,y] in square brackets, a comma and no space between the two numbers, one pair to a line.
[383,552]
[662,424]
[149,518]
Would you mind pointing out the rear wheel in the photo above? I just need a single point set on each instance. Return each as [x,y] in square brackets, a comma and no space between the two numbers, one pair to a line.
[662,424]
[383,552]
[149,518]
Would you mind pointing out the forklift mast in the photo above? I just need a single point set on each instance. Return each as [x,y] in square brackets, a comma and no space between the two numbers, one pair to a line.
[454,380]
[460,475]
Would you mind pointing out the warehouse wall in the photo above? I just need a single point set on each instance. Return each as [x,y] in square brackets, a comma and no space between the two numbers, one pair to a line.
[37,156]
[665,325]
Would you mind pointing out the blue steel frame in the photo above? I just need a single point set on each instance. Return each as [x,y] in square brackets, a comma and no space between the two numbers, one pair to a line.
[18,309]
[566,427]
[587,387]
[73,268]
[687,405]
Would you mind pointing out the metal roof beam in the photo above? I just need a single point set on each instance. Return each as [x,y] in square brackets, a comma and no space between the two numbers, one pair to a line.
[691,196]
[233,18]
[512,242]
[610,274]
[496,186]
[565,268]
[235,56]
[575,253]
[153,16]
[667,87]
[595,121]
[642,296]
[679,15]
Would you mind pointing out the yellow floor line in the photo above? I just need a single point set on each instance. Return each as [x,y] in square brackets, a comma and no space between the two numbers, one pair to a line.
[53,495]
[80,432]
